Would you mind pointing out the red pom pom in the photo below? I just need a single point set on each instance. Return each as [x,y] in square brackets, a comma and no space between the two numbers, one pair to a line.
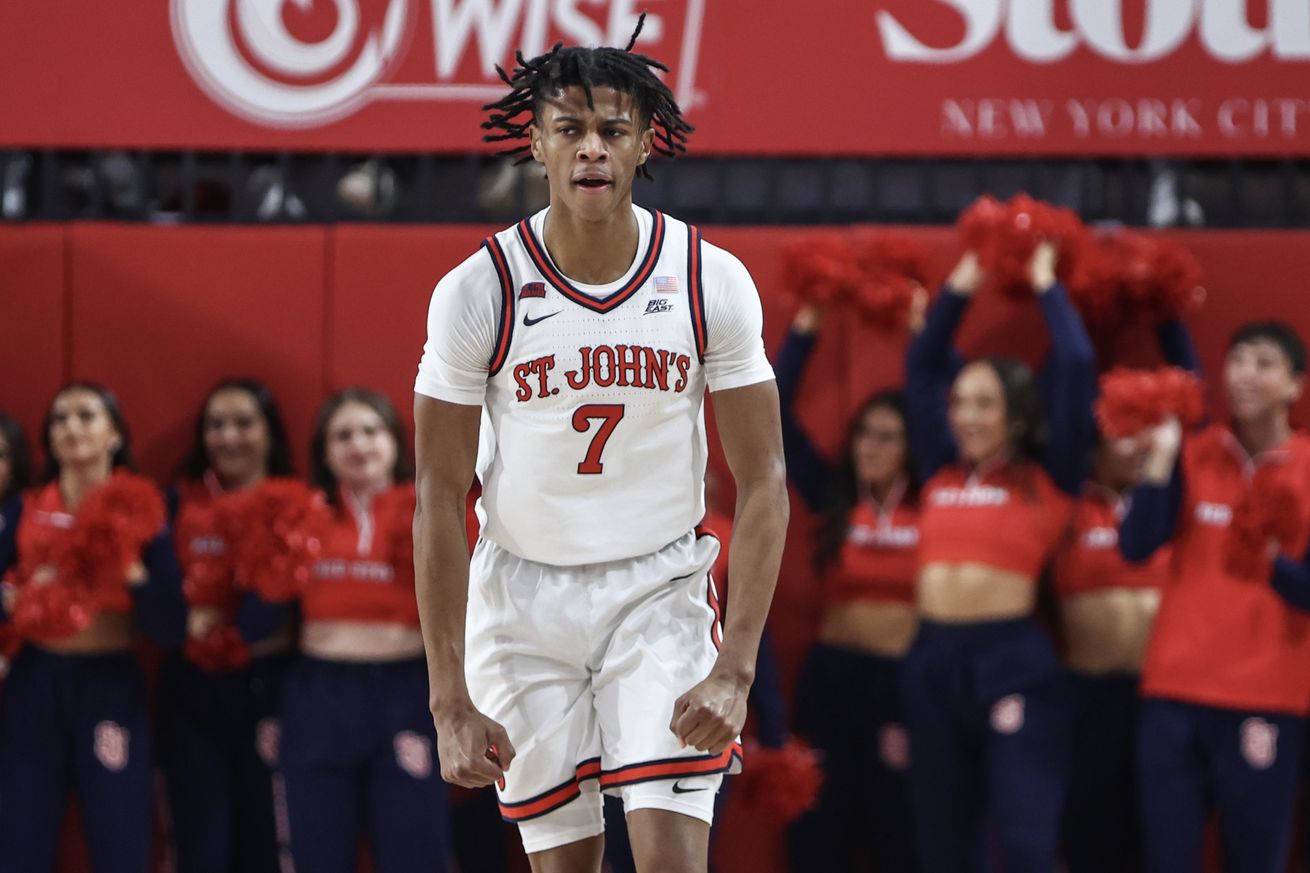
[220,650]
[1133,401]
[821,269]
[1161,278]
[893,267]
[50,611]
[780,785]
[279,527]
[114,523]
[1270,512]
[1094,285]
[1006,235]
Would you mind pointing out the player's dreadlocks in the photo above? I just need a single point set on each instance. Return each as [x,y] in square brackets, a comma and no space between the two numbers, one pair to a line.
[539,78]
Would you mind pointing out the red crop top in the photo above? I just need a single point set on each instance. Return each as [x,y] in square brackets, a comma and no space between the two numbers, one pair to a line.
[879,560]
[1089,558]
[196,535]
[45,526]
[365,571]
[1010,517]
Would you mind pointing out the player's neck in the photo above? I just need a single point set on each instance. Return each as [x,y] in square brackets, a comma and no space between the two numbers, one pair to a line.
[592,252]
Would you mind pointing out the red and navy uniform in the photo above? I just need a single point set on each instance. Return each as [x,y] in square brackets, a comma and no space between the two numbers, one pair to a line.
[1226,685]
[985,702]
[848,702]
[80,722]
[217,723]
[1101,831]
[358,746]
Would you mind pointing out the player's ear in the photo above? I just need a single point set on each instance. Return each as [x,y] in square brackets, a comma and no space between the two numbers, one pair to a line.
[647,142]
[534,137]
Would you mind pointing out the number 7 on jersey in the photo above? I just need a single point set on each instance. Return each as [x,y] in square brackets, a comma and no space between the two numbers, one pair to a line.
[609,414]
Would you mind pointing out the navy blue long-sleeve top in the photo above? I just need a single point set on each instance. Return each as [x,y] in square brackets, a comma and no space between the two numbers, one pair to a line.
[157,602]
[1153,509]
[1067,380]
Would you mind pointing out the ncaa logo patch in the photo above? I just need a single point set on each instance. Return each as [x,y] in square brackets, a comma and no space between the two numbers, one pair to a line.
[1007,714]
[1259,743]
[413,754]
[268,740]
[111,745]
[894,747]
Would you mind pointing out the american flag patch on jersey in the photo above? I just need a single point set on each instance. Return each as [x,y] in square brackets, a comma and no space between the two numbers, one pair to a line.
[533,289]
[666,284]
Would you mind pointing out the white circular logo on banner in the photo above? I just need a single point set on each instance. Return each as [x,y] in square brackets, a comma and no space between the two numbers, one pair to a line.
[244,56]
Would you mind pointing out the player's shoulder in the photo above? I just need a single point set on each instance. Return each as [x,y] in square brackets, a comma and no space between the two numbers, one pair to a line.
[722,269]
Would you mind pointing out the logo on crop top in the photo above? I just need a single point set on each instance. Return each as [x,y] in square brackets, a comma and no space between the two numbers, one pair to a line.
[884,536]
[1214,514]
[111,745]
[1101,538]
[413,754]
[1007,714]
[1259,743]
[970,495]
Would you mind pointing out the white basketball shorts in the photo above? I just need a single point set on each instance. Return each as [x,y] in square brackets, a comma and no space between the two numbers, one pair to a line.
[581,666]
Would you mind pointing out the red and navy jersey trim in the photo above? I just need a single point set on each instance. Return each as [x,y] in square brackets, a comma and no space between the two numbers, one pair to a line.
[505,329]
[552,798]
[671,768]
[695,291]
[537,252]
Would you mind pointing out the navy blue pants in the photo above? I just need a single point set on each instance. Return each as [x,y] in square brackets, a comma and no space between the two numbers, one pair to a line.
[1101,829]
[1194,760]
[848,707]
[217,745]
[359,756]
[79,723]
[987,712]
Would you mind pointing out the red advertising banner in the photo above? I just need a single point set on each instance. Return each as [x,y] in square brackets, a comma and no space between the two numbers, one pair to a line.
[860,77]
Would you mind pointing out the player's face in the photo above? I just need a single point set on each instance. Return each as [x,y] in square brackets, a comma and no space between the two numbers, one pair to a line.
[978,415]
[1260,380]
[236,437]
[591,153]
[81,431]
[879,447]
[361,452]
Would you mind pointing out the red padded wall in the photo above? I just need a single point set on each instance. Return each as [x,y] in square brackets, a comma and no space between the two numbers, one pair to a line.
[33,344]
[160,313]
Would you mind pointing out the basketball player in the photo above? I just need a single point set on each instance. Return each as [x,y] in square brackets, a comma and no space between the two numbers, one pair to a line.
[580,650]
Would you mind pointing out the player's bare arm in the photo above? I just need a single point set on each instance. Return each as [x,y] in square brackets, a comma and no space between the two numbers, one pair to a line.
[446,445]
[711,715]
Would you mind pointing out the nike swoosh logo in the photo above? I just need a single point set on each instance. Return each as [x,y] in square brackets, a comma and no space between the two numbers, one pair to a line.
[678,789]
[528,322]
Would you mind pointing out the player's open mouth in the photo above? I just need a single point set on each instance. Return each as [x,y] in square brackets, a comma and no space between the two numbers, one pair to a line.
[592,183]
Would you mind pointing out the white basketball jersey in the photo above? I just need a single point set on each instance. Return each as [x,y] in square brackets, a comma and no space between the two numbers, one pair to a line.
[593,436]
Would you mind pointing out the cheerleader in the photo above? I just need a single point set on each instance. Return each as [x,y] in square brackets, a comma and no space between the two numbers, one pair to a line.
[1107,608]
[74,715]
[848,693]
[218,699]
[1224,685]
[358,747]
[981,684]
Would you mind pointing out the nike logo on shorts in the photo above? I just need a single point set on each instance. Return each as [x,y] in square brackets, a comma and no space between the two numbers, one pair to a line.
[678,789]
[528,322]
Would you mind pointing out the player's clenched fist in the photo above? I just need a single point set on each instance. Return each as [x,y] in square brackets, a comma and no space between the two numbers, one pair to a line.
[474,750]
[710,716]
